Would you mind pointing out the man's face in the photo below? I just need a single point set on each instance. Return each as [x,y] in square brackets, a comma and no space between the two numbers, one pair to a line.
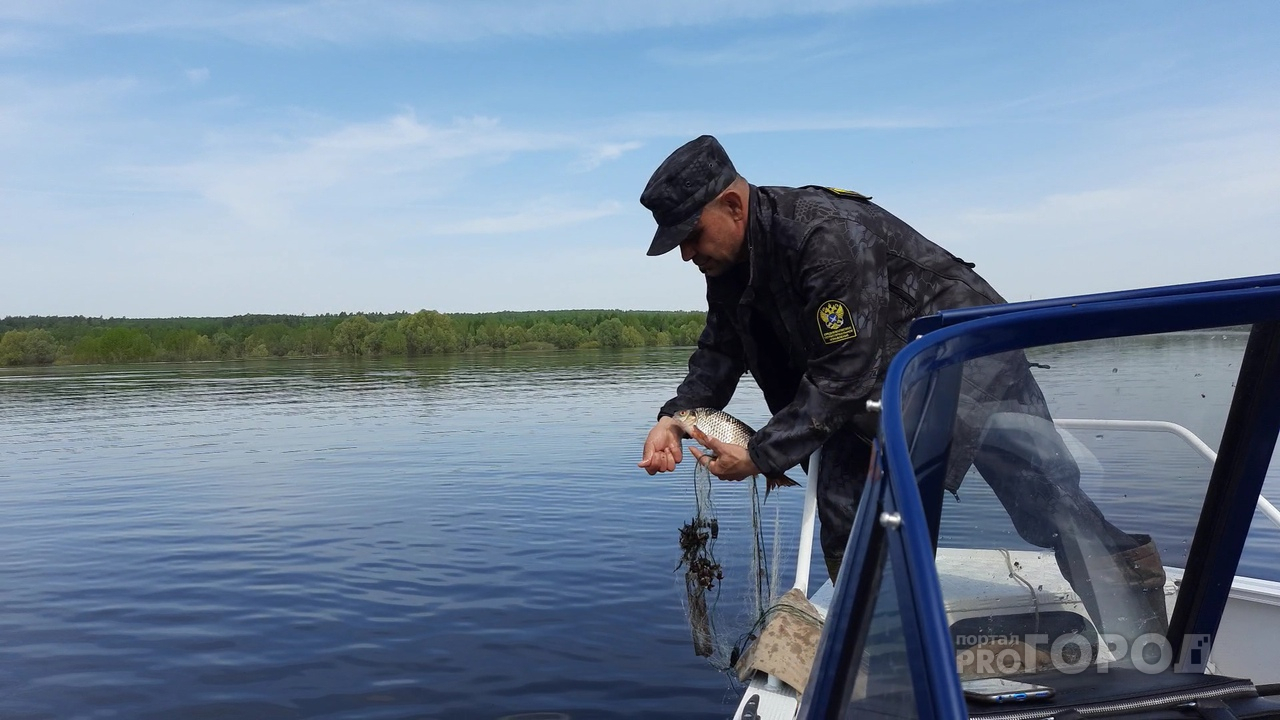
[716,243]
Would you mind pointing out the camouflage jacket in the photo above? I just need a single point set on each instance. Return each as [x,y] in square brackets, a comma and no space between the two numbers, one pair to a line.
[832,284]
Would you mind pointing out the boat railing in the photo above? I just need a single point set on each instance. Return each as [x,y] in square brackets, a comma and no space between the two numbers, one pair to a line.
[807,516]
[809,512]
[1189,437]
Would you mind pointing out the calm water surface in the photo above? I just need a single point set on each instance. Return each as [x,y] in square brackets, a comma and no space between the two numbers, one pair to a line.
[463,537]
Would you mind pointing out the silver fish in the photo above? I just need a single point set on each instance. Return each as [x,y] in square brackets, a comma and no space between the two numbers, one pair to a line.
[726,428]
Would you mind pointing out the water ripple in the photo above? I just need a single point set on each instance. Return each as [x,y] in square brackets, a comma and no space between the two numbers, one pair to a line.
[457,537]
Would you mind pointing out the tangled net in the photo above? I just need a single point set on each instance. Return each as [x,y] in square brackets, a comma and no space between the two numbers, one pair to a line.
[701,574]
[704,577]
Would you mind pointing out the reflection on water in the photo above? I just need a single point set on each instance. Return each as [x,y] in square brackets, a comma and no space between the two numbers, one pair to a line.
[458,537]
[444,538]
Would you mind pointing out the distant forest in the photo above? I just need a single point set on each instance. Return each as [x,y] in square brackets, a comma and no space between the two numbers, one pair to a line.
[85,340]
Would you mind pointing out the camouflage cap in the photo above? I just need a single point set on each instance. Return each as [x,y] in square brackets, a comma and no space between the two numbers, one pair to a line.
[682,185]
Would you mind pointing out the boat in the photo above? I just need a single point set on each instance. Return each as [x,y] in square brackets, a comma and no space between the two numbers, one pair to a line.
[938,594]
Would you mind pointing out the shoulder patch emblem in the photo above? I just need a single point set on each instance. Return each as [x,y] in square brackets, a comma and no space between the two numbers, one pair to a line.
[849,193]
[835,323]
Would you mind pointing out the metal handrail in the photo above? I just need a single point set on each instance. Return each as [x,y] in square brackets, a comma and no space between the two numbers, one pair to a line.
[806,523]
[805,554]
[808,514]
[1191,439]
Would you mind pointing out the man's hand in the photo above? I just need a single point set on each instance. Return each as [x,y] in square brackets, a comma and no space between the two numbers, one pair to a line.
[662,450]
[729,462]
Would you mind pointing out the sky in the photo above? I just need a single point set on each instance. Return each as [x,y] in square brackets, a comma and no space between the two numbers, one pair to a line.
[199,158]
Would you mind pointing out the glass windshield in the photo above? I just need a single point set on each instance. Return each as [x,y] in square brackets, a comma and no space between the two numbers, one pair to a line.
[882,686]
[1074,489]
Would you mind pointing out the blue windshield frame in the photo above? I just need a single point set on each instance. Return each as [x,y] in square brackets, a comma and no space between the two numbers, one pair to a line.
[947,318]
[1255,417]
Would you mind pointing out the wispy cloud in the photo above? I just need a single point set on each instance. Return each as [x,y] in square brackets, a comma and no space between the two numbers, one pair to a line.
[14,43]
[606,152]
[1203,209]
[357,21]
[212,156]
[400,157]
[544,214]
[262,179]
[808,49]
[40,117]
[690,124]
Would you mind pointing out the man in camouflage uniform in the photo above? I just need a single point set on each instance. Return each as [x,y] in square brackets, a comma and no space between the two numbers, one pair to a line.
[812,290]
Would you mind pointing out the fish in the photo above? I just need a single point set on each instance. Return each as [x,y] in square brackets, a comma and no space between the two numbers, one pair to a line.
[726,428]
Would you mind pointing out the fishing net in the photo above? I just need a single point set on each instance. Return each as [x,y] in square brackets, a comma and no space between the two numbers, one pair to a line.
[730,580]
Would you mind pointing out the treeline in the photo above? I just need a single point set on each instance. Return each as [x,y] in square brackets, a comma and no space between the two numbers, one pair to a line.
[82,340]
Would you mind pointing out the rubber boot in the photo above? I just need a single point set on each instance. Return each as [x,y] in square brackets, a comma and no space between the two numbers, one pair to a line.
[1144,573]
[1123,593]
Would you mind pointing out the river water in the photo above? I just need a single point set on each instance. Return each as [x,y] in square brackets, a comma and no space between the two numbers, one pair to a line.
[448,537]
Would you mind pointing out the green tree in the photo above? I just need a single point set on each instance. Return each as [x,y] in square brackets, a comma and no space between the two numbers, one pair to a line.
[178,345]
[123,345]
[41,347]
[350,335]
[316,341]
[632,337]
[202,349]
[89,339]
[386,339]
[225,345]
[610,334]
[12,347]
[687,335]
[427,332]
[563,335]
[255,348]
[277,338]
[513,335]
[30,347]
[498,335]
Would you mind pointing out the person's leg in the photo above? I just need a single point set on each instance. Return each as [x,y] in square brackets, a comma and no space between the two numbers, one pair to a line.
[845,459]
[1004,429]
[1118,576]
